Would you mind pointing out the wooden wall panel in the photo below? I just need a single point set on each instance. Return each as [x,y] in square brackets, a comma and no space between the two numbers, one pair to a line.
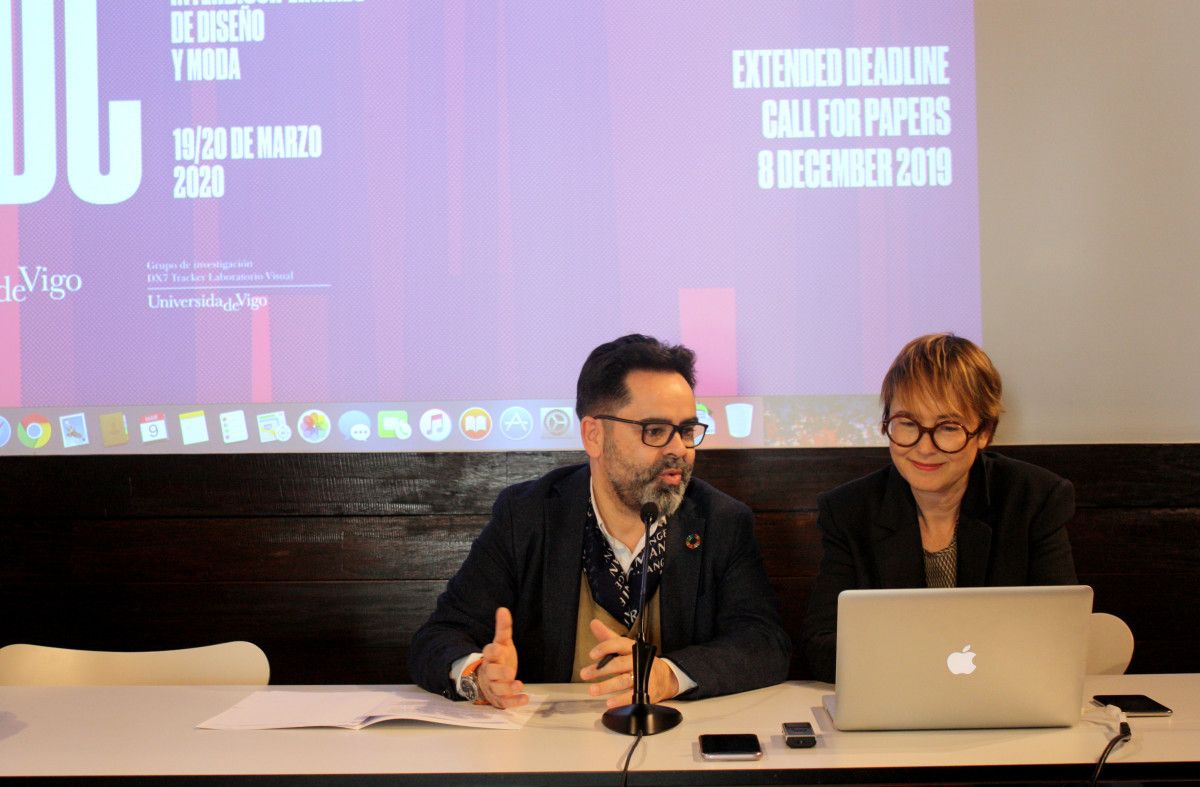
[331,561]
[265,549]
[312,632]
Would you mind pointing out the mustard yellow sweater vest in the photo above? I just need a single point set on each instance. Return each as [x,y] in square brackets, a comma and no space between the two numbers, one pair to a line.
[588,609]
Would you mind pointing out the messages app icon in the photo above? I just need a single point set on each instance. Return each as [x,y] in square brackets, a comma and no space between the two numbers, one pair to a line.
[354,425]
[394,424]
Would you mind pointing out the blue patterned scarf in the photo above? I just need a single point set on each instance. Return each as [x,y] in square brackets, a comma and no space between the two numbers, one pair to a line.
[612,589]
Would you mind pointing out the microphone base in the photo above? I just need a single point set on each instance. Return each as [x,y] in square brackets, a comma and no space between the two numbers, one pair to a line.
[641,718]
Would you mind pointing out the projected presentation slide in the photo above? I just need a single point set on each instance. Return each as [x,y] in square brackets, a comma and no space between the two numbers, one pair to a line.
[401,226]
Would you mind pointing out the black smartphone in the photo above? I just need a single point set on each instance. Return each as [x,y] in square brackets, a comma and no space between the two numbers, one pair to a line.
[799,735]
[1134,704]
[730,747]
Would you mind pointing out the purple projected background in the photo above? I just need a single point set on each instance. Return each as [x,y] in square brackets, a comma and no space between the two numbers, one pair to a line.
[499,188]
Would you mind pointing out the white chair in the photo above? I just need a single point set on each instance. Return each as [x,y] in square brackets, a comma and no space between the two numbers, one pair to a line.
[1110,645]
[229,663]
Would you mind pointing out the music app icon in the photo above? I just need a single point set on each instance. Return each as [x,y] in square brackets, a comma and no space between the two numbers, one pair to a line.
[436,424]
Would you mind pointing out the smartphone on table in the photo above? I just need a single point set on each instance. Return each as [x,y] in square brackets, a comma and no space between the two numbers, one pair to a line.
[1134,704]
[730,747]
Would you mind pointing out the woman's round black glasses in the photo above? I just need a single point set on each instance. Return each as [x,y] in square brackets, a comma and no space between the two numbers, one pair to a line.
[949,437]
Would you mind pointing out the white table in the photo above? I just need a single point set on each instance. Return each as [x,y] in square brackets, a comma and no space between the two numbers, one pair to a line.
[125,731]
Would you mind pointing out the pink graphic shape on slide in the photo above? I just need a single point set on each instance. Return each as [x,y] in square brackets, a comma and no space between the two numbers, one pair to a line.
[260,355]
[215,332]
[708,325]
[10,313]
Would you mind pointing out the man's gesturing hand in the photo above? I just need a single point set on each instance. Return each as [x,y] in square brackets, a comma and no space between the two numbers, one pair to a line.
[619,670]
[497,675]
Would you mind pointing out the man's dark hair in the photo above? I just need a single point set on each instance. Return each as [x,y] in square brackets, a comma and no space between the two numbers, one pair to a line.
[601,385]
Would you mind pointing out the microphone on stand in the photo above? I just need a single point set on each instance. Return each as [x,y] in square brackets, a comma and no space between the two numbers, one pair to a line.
[640,717]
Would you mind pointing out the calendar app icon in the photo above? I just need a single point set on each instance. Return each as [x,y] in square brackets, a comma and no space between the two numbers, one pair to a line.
[154,427]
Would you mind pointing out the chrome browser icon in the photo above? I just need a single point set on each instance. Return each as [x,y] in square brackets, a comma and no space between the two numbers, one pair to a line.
[34,431]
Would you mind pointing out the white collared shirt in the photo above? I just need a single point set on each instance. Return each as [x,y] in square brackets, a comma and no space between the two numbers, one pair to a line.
[625,556]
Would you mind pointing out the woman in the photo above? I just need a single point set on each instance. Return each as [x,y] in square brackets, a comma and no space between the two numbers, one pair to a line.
[945,513]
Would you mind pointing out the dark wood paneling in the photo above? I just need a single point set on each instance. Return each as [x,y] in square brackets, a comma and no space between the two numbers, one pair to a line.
[312,632]
[1144,542]
[331,561]
[1122,476]
[786,480]
[252,485]
[268,549]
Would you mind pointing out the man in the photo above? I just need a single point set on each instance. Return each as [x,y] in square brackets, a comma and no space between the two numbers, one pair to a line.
[563,553]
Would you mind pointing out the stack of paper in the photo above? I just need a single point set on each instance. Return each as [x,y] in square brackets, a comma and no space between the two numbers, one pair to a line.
[353,710]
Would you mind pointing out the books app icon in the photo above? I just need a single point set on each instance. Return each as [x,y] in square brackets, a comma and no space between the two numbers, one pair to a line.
[475,423]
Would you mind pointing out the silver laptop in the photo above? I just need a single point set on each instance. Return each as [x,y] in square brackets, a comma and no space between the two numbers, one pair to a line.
[960,658]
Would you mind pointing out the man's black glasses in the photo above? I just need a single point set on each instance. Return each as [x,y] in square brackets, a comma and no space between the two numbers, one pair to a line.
[656,434]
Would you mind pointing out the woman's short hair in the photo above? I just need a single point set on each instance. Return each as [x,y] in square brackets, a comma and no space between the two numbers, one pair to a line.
[942,367]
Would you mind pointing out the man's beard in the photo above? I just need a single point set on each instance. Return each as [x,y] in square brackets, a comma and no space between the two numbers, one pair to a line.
[637,486]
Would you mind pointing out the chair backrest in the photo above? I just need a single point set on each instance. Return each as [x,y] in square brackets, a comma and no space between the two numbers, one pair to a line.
[1110,645]
[229,663]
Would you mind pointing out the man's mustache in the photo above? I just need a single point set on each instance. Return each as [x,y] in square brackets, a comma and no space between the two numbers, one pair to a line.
[670,463]
[667,463]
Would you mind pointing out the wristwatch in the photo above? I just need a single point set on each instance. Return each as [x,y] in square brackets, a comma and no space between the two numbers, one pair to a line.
[468,684]
[468,687]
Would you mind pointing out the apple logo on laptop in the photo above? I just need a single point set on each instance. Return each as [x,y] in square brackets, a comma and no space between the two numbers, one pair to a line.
[961,662]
